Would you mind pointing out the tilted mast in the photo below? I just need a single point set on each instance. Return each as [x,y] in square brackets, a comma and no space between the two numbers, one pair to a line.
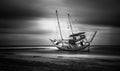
[70,22]
[93,36]
[59,25]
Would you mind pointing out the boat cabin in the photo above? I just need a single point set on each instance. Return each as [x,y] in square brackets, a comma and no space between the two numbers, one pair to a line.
[77,38]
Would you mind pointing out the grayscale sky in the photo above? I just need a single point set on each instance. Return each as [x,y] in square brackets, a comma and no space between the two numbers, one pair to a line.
[33,22]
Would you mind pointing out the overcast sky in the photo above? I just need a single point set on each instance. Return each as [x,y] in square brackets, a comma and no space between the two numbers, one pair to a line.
[28,21]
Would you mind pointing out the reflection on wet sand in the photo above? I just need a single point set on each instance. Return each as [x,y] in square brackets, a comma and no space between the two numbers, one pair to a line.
[50,58]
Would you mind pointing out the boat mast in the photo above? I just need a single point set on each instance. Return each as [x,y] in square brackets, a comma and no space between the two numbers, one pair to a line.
[93,36]
[59,25]
[70,22]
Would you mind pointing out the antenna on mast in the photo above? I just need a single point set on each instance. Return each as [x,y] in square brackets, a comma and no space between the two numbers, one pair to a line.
[70,22]
[59,24]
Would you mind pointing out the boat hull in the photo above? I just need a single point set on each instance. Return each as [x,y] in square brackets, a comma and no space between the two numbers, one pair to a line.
[75,48]
[69,47]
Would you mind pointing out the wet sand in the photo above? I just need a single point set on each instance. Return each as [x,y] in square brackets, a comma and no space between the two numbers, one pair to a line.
[52,59]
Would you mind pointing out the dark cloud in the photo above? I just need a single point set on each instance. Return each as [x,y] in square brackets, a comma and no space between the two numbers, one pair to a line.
[13,9]
[98,4]
[106,20]
[96,12]
[15,16]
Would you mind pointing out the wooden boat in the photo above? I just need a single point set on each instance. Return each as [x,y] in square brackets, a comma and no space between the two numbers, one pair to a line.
[76,41]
